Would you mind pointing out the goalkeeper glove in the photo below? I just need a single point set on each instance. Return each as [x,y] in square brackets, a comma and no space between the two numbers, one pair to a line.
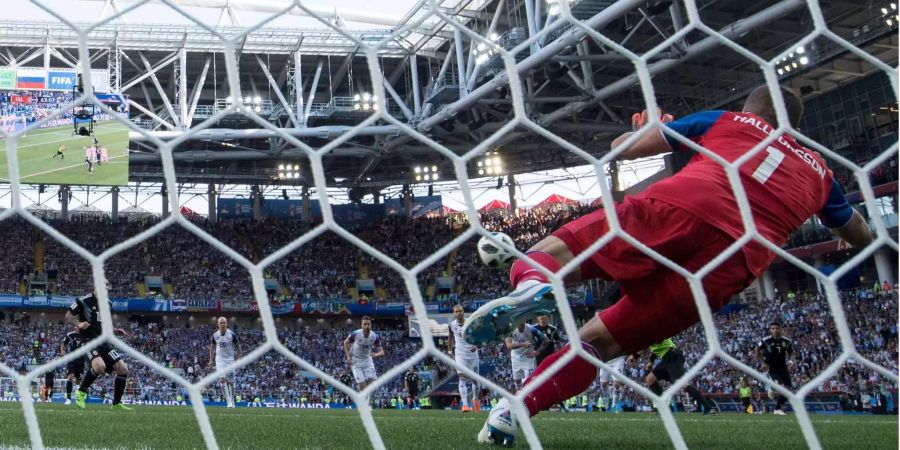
[638,120]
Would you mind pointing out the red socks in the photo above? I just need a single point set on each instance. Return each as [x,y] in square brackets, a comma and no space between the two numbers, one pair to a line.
[523,271]
[570,380]
[574,377]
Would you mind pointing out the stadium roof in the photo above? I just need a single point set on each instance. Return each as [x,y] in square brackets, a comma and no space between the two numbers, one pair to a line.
[307,73]
[356,14]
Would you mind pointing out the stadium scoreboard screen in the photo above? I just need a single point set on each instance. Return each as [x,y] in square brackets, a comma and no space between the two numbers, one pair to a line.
[83,145]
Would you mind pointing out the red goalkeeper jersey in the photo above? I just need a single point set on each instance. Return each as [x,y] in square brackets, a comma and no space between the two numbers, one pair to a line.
[785,183]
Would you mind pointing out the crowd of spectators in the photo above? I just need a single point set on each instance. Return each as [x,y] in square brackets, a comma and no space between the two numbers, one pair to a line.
[884,173]
[34,105]
[807,320]
[328,266]
[27,338]
[813,233]
[324,268]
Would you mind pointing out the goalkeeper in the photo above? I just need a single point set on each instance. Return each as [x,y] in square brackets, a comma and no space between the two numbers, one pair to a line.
[690,219]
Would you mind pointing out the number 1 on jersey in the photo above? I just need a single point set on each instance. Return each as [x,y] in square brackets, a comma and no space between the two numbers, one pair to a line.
[768,166]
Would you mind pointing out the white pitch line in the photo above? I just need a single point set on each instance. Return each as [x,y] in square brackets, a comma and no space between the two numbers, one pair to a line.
[12,447]
[64,168]
[552,417]
[726,419]
[57,140]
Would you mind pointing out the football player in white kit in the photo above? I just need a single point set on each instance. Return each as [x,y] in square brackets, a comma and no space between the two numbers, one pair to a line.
[610,385]
[222,351]
[521,344]
[465,355]
[358,348]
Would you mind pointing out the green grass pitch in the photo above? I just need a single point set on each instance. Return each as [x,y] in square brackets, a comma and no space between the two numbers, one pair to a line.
[162,427]
[36,165]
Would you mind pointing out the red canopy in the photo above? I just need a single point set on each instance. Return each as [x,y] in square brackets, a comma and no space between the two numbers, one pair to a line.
[185,211]
[448,210]
[496,204]
[555,199]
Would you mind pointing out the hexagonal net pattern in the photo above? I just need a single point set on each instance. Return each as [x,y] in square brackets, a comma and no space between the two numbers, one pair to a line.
[550,39]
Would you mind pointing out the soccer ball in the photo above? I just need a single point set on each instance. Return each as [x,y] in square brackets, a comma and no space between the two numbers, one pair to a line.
[501,426]
[494,256]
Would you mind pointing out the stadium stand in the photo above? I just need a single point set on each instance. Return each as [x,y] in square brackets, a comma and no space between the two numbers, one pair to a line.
[191,270]
[184,347]
[194,270]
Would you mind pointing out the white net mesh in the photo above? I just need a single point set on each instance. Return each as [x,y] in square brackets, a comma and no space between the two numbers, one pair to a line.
[562,31]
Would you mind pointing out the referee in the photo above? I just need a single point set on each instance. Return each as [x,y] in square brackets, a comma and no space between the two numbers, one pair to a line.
[773,350]
[669,366]
[746,396]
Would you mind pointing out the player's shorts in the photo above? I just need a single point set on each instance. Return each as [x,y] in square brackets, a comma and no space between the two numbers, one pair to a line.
[550,350]
[781,376]
[223,364]
[472,361]
[618,364]
[657,302]
[110,356]
[522,369]
[670,367]
[75,367]
[363,373]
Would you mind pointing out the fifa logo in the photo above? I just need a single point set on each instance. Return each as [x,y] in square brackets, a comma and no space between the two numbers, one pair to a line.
[62,80]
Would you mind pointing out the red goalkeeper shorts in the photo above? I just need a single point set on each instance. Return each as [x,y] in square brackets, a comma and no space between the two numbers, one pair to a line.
[657,302]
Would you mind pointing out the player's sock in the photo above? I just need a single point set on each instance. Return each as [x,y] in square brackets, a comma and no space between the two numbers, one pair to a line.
[657,389]
[476,396]
[614,406]
[463,393]
[87,381]
[68,389]
[697,397]
[571,379]
[523,271]
[119,388]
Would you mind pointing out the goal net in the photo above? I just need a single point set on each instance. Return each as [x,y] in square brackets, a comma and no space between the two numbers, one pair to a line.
[559,36]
